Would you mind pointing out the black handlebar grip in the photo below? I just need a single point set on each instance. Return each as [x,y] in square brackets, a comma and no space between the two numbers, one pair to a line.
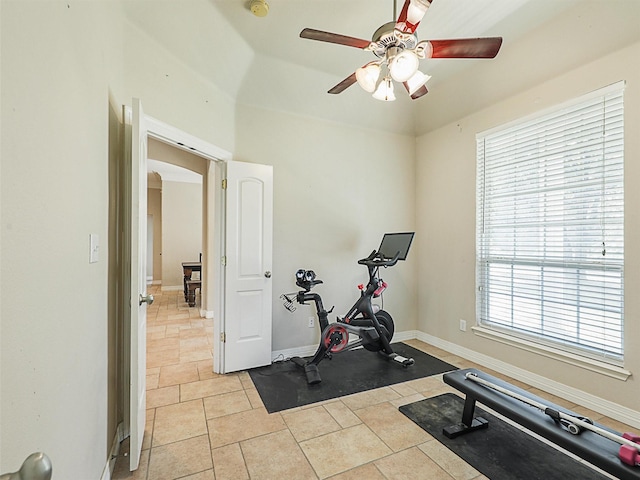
[372,261]
[363,261]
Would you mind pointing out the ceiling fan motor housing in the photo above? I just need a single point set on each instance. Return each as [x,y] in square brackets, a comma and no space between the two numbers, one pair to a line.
[387,36]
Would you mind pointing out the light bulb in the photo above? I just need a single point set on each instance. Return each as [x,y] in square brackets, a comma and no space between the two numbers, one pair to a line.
[367,76]
[416,81]
[384,91]
[424,49]
[403,66]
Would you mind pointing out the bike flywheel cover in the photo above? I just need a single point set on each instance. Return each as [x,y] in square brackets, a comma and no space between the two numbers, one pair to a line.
[338,334]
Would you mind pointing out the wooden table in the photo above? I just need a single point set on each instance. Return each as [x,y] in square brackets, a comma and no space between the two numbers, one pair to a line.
[187,270]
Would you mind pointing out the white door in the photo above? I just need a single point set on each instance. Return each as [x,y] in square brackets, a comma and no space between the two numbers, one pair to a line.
[139,299]
[248,284]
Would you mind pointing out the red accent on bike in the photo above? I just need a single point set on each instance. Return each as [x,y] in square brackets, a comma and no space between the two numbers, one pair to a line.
[382,286]
[361,287]
[338,330]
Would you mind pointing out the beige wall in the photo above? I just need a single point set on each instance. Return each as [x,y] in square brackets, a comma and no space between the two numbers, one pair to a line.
[173,93]
[61,95]
[154,207]
[175,156]
[67,67]
[181,229]
[337,190]
[446,201]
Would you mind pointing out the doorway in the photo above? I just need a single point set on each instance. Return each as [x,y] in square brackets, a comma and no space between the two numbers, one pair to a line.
[175,194]
[243,248]
[131,197]
[207,160]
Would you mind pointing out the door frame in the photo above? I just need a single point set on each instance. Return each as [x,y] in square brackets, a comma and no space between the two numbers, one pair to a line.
[214,234]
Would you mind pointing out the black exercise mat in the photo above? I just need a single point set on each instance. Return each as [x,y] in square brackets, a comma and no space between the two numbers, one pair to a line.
[284,385]
[500,452]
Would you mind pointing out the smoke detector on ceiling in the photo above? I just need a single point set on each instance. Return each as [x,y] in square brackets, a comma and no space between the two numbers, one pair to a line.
[259,8]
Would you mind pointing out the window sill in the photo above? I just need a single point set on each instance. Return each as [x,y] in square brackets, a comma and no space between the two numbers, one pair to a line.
[591,364]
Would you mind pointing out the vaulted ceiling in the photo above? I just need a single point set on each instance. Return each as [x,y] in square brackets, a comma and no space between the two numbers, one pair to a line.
[263,62]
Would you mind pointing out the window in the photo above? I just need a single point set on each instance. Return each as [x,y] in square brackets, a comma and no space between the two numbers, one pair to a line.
[550,221]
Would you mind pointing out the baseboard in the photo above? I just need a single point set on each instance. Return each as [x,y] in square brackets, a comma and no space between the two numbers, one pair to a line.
[404,336]
[280,355]
[206,313]
[606,407]
[115,450]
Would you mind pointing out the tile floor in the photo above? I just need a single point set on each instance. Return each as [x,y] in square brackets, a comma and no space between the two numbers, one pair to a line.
[204,426]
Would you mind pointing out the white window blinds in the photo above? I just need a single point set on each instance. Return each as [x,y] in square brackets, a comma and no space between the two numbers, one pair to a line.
[550,220]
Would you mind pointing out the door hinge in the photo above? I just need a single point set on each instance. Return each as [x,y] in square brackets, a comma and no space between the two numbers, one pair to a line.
[224,261]
[223,337]
[224,183]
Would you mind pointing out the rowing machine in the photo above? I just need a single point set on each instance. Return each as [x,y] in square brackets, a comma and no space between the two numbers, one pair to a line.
[629,452]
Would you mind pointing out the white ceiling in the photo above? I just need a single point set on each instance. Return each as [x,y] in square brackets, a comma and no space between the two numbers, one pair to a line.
[172,173]
[263,62]
[277,34]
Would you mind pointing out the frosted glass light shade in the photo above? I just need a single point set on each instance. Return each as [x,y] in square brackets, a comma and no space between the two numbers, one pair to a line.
[384,91]
[367,76]
[403,66]
[416,10]
[417,81]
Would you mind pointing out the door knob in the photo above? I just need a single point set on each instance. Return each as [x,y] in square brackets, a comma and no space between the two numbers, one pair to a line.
[267,274]
[146,298]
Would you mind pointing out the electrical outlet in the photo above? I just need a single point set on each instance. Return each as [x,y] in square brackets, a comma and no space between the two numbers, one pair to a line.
[463,325]
[311,322]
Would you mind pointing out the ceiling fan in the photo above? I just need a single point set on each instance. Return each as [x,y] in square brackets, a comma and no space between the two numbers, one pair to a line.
[399,53]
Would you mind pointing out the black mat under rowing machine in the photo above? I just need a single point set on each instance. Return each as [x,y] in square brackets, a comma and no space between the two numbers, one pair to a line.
[552,422]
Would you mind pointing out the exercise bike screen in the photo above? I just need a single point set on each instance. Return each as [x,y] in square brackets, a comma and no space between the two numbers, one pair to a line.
[393,243]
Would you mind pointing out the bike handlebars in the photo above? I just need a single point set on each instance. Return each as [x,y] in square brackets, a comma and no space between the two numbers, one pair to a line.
[306,279]
[376,260]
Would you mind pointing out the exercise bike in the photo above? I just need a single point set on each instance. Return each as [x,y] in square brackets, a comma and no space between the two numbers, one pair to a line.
[373,326]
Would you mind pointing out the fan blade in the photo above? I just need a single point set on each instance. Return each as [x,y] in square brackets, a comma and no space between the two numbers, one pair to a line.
[466,47]
[344,84]
[321,36]
[418,93]
[411,15]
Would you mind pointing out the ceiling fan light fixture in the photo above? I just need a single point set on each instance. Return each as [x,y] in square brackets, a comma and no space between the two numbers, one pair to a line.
[367,76]
[424,49]
[384,91]
[399,52]
[403,66]
[416,81]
